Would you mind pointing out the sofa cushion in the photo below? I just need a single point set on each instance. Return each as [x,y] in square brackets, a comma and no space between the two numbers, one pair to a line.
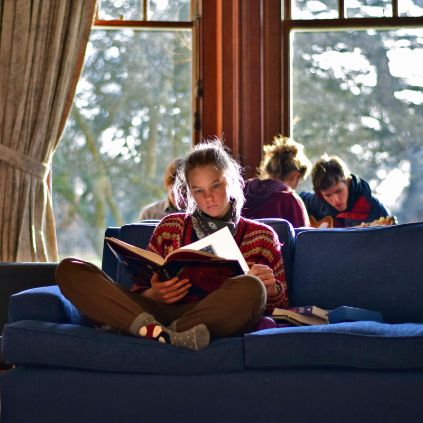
[44,303]
[373,268]
[370,345]
[64,345]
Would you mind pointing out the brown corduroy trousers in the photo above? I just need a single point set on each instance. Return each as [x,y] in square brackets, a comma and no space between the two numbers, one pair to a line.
[232,309]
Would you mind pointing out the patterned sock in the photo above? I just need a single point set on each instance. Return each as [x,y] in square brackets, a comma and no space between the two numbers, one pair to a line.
[195,338]
[147,326]
[172,326]
[142,319]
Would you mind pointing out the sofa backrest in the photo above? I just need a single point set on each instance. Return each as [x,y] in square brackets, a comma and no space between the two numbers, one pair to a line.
[286,236]
[374,268]
[139,234]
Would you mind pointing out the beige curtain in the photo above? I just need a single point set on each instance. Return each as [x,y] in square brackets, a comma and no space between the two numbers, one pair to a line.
[42,46]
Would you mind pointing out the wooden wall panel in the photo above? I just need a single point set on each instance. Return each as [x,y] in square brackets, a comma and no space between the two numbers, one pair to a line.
[272,64]
[210,69]
[241,65]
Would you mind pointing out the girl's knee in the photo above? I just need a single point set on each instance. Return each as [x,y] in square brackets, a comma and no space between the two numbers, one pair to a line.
[251,286]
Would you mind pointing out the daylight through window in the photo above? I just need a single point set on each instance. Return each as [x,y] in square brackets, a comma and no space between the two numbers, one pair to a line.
[132,115]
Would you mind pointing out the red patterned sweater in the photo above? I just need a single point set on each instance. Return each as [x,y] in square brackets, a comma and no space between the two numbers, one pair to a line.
[258,244]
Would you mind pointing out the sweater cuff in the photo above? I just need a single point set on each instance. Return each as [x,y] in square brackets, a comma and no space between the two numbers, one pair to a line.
[279,300]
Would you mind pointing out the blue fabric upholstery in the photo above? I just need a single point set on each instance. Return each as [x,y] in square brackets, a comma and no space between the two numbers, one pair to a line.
[138,234]
[65,345]
[46,394]
[369,345]
[43,304]
[351,372]
[16,277]
[373,268]
[109,262]
[286,236]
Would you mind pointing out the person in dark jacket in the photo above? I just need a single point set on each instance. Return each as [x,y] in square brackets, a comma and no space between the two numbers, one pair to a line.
[272,193]
[340,198]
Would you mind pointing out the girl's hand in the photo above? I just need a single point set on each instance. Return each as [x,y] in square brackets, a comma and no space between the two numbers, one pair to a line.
[167,292]
[265,274]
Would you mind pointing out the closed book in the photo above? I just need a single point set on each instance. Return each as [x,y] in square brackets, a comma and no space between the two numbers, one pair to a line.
[301,316]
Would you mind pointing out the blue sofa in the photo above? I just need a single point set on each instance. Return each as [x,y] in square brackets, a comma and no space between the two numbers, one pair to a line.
[67,371]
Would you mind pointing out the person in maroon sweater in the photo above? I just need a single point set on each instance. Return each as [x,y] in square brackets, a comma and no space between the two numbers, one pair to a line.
[212,186]
[272,193]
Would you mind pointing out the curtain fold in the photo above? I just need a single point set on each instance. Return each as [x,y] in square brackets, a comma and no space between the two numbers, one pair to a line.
[42,47]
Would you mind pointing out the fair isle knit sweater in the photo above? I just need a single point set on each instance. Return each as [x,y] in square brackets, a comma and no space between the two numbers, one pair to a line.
[258,244]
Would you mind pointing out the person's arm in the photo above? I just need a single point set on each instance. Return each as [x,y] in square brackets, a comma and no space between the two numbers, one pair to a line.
[165,238]
[265,274]
[267,254]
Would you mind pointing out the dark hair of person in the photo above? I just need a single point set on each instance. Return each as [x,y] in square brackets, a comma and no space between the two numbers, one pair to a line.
[328,171]
[282,157]
[214,153]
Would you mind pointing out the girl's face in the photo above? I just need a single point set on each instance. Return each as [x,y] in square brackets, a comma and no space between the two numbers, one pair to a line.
[210,191]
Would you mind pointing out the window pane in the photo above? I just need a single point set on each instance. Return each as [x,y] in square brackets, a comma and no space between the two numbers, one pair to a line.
[359,94]
[169,10]
[157,10]
[312,9]
[410,8]
[120,9]
[131,117]
[368,8]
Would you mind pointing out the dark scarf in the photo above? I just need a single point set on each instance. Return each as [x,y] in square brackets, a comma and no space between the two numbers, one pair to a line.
[204,224]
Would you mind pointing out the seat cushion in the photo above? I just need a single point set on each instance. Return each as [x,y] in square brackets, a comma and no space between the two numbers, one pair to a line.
[65,345]
[369,345]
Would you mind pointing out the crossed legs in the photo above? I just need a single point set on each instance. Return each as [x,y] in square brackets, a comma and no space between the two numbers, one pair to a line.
[232,309]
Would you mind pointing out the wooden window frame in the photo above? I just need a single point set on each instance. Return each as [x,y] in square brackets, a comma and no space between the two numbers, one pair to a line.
[245,69]
[342,23]
[144,23]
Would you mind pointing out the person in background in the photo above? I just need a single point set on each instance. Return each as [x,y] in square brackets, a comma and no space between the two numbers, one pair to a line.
[272,193]
[160,310]
[342,199]
[161,208]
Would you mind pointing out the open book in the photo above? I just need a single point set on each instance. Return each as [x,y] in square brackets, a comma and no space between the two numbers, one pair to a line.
[206,263]
[301,316]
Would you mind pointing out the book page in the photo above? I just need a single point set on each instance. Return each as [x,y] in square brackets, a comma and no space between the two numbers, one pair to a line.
[222,244]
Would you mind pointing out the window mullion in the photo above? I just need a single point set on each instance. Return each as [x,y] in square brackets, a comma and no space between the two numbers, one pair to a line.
[144,10]
[395,8]
[341,9]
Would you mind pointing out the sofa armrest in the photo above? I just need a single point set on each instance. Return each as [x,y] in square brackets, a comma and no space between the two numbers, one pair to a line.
[45,303]
[16,277]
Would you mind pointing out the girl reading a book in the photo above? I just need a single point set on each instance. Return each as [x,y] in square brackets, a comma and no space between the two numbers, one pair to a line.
[166,310]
